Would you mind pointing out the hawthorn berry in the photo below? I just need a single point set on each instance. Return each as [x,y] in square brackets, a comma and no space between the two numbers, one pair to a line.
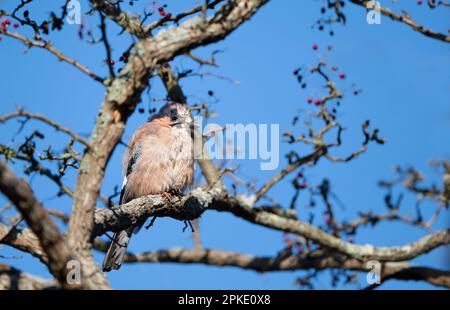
[303,185]
[342,76]
[310,100]
[315,46]
[318,102]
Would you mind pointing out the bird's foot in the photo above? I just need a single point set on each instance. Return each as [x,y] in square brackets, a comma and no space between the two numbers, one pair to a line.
[167,196]
[171,194]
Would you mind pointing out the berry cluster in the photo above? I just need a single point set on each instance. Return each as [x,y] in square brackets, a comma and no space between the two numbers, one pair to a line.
[163,13]
[5,23]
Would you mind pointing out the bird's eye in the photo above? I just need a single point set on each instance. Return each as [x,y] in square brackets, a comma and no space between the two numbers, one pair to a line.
[173,115]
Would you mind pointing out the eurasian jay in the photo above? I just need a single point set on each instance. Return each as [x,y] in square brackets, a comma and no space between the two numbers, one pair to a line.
[159,159]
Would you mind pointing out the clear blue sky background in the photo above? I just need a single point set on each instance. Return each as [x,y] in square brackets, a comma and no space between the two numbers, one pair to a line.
[405,82]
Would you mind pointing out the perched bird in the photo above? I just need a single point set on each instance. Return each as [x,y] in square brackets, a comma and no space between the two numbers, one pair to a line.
[159,159]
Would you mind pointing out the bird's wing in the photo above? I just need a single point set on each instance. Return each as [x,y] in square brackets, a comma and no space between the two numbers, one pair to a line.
[134,156]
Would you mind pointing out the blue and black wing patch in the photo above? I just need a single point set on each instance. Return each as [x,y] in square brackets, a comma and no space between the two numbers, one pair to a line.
[131,165]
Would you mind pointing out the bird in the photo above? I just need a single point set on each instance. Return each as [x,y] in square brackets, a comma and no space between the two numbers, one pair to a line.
[159,159]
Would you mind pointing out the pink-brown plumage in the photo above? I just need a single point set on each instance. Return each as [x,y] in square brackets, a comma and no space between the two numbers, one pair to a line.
[159,159]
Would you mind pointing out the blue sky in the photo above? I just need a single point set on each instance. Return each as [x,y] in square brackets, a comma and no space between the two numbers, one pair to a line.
[405,82]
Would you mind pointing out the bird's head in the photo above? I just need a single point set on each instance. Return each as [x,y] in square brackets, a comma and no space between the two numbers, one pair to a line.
[176,114]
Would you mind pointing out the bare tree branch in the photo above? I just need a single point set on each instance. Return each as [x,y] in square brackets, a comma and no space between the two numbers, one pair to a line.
[47,46]
[299,162]
[24,240]
[23,113]
[14,279]
[317,260]
[192,206]
[39,221]
[407,21]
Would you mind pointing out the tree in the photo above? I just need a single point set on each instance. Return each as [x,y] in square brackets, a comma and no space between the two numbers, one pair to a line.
[309,246]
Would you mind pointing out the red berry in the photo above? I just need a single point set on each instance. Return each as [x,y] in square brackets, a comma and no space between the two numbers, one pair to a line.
[334,68]
[16,25]
[315,46]
[318,102]
[303,185]
[342,76]
[310,100]
[419,2]
[112,62]
[168,15]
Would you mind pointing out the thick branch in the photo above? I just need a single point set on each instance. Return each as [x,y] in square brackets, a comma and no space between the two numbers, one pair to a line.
[39,221]
[14,279]
[317,260]
[128,22]
[200,200]
[24,240]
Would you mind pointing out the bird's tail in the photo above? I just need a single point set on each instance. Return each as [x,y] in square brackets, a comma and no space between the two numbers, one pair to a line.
[117,249]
